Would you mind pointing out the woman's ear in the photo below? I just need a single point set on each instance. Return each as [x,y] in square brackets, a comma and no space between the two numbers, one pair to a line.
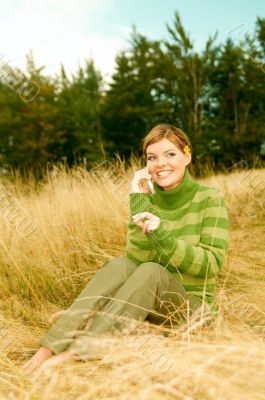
[187,159]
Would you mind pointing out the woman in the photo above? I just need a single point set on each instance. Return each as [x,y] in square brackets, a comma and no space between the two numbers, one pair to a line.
[176,241]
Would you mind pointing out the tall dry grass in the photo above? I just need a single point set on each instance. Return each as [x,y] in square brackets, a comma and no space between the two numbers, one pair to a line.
[81,220]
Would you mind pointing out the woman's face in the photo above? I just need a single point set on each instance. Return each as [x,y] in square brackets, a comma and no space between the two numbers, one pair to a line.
[166,163]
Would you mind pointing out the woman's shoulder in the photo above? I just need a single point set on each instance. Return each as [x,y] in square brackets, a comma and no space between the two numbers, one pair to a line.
[208,193]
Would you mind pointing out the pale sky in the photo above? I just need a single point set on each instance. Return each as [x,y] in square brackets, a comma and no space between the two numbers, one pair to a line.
[70,31]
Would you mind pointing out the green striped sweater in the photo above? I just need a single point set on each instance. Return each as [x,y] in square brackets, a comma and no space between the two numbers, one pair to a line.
[192,238]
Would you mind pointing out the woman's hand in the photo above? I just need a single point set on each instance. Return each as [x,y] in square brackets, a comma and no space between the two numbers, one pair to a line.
[139,181]
[147,221]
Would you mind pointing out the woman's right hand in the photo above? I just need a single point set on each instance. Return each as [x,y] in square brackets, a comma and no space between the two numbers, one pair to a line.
[139,184]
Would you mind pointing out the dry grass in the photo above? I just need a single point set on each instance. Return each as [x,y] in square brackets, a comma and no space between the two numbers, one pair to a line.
[80,221]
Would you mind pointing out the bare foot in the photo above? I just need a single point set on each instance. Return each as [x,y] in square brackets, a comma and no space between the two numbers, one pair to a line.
[59,359]
[42,355]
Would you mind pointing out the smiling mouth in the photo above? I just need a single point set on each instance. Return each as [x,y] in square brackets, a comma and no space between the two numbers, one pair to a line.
[164,174]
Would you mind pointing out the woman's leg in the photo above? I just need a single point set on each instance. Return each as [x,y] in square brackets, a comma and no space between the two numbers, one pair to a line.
[97,292]
[150,292]
[134,300]
[38,359]
[176,305]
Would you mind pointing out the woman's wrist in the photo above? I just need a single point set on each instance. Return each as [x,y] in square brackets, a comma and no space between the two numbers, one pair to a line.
[135,190]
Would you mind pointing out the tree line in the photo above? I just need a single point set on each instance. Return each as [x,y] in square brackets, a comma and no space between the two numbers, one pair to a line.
[216,95]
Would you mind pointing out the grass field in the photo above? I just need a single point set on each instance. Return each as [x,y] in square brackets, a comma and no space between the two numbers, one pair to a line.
[56,234]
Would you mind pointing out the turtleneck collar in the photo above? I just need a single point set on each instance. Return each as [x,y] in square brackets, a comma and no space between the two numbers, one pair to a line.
[177,196]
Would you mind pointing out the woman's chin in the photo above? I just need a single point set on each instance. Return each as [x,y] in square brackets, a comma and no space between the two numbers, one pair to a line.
[164,184]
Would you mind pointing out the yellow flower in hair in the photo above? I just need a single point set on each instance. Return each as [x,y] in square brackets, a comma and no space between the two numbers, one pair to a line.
[186,150]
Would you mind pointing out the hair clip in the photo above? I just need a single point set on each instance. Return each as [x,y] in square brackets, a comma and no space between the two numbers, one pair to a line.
[186,149]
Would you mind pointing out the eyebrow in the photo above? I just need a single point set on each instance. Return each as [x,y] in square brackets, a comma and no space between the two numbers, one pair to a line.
[163,151]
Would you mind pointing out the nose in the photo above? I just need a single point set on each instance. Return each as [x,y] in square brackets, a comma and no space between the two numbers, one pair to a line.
[161,160]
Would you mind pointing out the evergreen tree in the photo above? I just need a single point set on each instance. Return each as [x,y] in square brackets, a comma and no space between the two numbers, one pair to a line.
[79,102]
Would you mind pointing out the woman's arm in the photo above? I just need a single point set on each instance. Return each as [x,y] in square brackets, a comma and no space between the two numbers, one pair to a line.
[204,259]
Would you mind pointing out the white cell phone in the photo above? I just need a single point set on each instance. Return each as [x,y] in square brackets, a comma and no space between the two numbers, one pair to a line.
[150,183]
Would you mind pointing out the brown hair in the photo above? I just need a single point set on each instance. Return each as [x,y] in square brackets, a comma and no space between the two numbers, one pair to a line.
[170,132]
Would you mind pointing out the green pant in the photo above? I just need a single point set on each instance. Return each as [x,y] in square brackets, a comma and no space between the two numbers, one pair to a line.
[121,289]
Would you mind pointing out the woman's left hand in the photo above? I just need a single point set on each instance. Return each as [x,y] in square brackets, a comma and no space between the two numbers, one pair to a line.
[147,221]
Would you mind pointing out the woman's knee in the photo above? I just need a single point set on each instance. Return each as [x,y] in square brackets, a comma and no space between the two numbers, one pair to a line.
[151,268]
[120,262]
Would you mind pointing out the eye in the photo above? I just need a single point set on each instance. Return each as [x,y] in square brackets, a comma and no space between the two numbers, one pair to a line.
[150,158]
[171,154]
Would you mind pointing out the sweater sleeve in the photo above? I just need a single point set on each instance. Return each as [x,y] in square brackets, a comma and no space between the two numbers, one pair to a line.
[204,259]
[138,246]
[139,202]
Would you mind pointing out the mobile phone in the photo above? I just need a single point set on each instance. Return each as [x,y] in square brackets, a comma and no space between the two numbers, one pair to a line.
[150,183]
